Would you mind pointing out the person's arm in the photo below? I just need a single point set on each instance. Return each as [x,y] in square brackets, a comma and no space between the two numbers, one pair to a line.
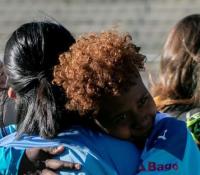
[7,130]
[9,157]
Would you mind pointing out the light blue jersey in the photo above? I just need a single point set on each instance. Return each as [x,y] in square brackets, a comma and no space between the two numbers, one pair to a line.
[7,130]
[9,157]
[98,153]
[170,150]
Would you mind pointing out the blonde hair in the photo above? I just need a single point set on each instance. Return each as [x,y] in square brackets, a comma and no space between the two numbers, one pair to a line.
[179,82]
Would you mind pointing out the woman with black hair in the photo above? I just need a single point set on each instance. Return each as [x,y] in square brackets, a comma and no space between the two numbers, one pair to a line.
[30,54]
[29,57]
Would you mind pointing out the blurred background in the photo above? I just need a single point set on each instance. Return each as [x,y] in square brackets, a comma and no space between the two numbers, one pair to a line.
[148,21]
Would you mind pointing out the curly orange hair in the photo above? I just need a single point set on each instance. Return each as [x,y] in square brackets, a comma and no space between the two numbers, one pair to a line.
[98,65]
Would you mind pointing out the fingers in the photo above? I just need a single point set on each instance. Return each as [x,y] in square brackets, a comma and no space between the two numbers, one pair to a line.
[34,154]
[43,153]
[47,172]
[59,164]
[54,150]
[40,159]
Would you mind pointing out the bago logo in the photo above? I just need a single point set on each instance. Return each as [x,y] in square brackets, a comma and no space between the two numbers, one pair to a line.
[153,166]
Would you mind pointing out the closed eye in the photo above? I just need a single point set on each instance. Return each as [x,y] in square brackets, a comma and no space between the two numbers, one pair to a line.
[143,100]
[120,118]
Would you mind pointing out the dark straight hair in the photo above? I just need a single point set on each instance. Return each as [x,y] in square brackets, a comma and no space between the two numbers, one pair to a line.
[29,58]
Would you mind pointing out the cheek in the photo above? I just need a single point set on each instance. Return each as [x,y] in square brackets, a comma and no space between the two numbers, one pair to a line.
[122,132]
[151,107]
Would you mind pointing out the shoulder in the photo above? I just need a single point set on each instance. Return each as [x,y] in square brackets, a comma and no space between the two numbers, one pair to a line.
[170,135]
[7,130]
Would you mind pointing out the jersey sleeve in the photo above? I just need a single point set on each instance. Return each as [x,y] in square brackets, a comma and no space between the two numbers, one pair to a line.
[10,159]
[7,130]
[170,150]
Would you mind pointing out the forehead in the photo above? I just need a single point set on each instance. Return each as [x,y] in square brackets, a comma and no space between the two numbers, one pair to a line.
[115,104]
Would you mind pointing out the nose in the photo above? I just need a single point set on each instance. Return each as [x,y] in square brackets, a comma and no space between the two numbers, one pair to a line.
[135,118]
[138,120]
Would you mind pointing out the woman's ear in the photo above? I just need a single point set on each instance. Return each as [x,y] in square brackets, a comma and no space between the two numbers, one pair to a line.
[11,93]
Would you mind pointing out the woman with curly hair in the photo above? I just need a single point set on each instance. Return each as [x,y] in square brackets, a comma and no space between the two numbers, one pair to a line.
[99,67]
[100,75]
[178,90]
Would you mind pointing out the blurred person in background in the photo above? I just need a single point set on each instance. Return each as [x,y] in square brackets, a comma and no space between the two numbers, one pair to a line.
[7,110]
[177,91]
